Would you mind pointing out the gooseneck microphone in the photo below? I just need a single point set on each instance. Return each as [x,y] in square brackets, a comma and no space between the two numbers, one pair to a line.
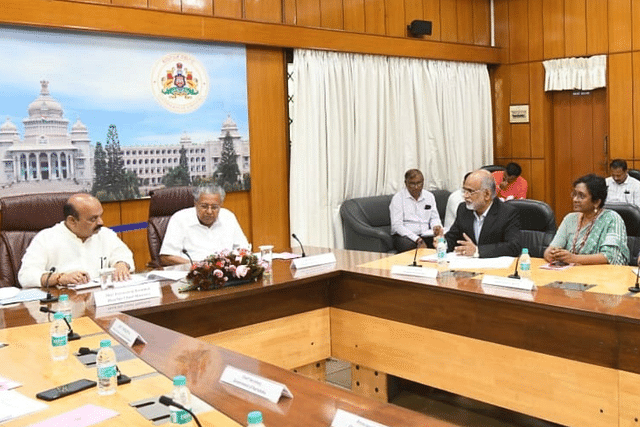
[71,336]
[415,255]
[167,401]
[184,251]
[636,288]
[300,243]
[515,274]
[49,298]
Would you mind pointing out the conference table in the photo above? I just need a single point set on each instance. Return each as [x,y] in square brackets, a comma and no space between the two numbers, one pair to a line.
[557,352]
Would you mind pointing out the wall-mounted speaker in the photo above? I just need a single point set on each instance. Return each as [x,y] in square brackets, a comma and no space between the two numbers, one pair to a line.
[419,28]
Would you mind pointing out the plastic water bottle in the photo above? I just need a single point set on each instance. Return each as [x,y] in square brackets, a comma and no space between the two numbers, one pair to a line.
[441,251]
[64,307]
[254,419]
[107,371]
[181,394]
[525,264]
[59,330]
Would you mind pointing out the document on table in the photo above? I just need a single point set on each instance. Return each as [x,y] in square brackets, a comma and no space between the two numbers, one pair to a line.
[14,405]
[461,261]
[24,295]
[167,274]
[83,416]
[136,279]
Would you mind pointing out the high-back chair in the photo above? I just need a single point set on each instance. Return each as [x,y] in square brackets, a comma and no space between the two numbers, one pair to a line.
[630,215]
[164,203]
[22,218]
[537,225]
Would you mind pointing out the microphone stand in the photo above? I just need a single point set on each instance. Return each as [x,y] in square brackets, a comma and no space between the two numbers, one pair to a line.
[415,255]
[636,288]
[184,251]
[300,243]
[515,274]
[71,336]
[49,298]
[167,401]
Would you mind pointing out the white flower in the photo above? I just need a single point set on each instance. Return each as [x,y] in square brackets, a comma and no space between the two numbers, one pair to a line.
[241,271]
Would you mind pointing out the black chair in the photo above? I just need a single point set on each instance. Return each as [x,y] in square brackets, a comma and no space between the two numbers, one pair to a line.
[633,242]
[535,215]
[634,173]
[366,224]
[442,197]
[493,168]
[630,215]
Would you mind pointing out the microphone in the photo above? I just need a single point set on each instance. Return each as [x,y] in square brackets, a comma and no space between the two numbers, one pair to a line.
[71,336]
[184,251]
[515,274]
[300,243]
[167,401]
[49,298]
[415,255]
[636,288]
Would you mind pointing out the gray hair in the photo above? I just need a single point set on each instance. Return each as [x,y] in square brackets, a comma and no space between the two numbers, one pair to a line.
[208,189]
[488,183]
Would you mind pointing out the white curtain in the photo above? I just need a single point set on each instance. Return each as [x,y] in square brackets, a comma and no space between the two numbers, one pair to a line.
[575,73]
[360,121]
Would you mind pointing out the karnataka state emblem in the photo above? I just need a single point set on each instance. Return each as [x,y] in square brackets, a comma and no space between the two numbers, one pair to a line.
[179,82]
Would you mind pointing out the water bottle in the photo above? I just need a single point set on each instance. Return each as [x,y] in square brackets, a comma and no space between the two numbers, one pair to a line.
[107,371]
[59,330]
[254,419]
[525,264]
[180,394]
[64,307]
[441,251]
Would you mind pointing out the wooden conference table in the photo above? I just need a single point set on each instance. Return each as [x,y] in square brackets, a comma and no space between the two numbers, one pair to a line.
[564,355]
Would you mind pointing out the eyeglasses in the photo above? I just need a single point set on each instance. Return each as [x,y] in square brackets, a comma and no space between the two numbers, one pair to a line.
[415,184]
[579,196]
[467,192]
[207,207]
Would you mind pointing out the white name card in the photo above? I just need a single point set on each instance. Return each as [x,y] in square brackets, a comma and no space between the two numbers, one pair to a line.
[312,261]
[506,282]
[409,270]
[254,384]
[125,332]
[347,419]
[130,293]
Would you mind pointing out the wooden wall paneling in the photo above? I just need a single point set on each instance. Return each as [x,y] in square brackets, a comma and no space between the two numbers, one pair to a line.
[482,23]
[96,1]
[374,20]
[635,22]
[263,10]
[130,3]
[597,27]
[132,212]
[520,136]
[525,164]
[538,110]
[354,15]
[553,24]
[620,106]
[413,9]
[501,14]
[331,13]
[227,8]
[270,158]
[239,202]
[166,5]
[290,12]
[536,31]
[431,12]
[582,135]
[518,31]
[619,25]
[308,12]
[562,153]
[538,182]
[600,131]
[111,216]
[394,16]
[501,88]
[201,7]
[575,25]
[448,21]
[464,10]
[636,104]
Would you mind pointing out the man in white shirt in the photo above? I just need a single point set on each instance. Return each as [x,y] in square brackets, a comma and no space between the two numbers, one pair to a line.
[620,186]
[455,198]
[200,231]
[73,251]
[414,215]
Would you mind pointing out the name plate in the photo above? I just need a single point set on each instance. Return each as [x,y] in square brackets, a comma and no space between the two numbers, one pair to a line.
[125,332]
[130,293]
[312,261]
[408,270]
[254,384]
[506,282]
[347,419]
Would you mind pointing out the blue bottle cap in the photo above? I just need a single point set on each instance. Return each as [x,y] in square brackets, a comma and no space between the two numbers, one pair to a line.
[105,343]
[254,417]
[58,315]
[63,297]
[179,380]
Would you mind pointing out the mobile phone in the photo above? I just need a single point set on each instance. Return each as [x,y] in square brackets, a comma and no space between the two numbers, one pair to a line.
[65,390]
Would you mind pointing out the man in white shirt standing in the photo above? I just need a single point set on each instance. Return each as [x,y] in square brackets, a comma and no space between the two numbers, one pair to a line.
[621,187]
[414,215]
[200,231]
[73,251]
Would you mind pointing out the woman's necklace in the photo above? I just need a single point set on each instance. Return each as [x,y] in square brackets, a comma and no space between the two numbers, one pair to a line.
[574,249]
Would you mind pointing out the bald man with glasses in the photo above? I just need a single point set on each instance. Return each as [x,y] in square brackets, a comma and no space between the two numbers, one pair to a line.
[485,226]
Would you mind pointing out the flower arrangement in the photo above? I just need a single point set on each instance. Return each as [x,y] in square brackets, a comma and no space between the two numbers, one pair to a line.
[223,269]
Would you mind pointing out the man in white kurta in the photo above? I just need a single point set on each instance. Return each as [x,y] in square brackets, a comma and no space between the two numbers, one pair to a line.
[74,250]
[200,231]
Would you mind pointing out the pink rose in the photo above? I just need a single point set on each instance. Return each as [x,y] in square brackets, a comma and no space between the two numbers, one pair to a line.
[218,273]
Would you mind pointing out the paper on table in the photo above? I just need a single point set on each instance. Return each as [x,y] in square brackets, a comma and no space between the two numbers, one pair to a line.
[14,405]
[462,261]
[167,274]
[83,416]
[25,295]
[136,279]
[7,384]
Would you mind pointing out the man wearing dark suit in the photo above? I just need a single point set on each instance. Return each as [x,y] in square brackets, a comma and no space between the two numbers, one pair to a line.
[485,227]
